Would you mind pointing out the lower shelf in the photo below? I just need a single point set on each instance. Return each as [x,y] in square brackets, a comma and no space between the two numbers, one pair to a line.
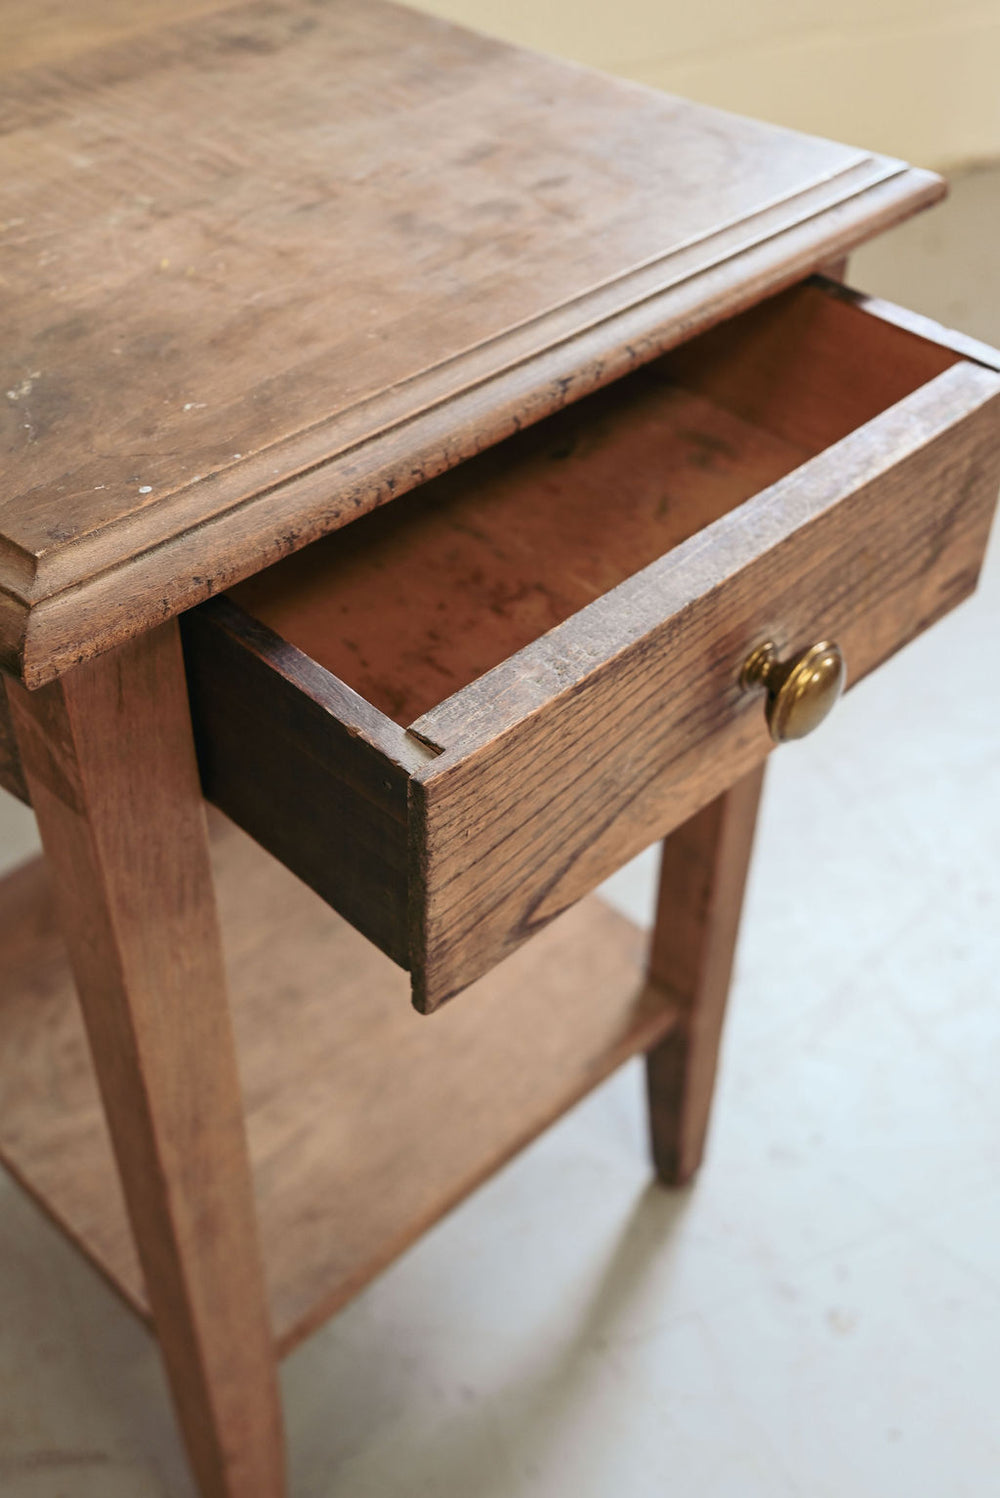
[366,1121]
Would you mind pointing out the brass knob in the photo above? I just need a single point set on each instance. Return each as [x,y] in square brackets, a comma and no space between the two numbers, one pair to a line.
[800,691]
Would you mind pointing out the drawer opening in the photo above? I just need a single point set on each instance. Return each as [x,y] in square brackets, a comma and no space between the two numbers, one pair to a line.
[413,602]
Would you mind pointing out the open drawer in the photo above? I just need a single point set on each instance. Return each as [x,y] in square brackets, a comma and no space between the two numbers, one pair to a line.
[455,717]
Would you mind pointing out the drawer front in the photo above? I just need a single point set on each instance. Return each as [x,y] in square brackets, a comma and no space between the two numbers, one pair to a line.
[564,762]
[451,837]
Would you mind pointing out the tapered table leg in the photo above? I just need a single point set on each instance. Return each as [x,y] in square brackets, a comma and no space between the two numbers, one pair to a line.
[703,872]
[109,760]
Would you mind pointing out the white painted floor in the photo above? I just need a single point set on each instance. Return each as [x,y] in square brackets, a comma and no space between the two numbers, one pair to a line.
[820,1314]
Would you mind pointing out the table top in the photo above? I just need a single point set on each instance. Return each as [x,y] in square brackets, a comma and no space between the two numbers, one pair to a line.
[264,266]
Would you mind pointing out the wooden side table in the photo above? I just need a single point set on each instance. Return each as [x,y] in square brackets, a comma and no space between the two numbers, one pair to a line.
[268,268]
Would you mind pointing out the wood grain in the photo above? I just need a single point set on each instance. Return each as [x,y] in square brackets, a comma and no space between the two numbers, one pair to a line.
[703,870]
[312,771]
[241,309]
[411,604]
[110,764]
[50,33]
[366,1122]
[11,774]
[616,726]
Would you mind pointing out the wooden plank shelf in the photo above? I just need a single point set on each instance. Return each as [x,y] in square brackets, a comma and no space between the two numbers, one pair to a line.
[367,1122]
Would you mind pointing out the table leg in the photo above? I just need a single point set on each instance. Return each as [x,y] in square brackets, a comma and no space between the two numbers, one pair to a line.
[703,871]
[109,760]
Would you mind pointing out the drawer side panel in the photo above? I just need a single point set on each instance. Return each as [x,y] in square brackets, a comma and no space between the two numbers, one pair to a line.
[285,767]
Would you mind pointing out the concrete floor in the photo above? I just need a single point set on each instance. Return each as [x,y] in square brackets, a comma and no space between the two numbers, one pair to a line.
[820,1314]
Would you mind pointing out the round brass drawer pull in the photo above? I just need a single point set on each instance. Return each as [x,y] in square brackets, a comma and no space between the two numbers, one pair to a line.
[800,691]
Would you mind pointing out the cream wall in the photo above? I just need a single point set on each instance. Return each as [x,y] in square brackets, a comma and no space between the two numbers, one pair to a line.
[915,78]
